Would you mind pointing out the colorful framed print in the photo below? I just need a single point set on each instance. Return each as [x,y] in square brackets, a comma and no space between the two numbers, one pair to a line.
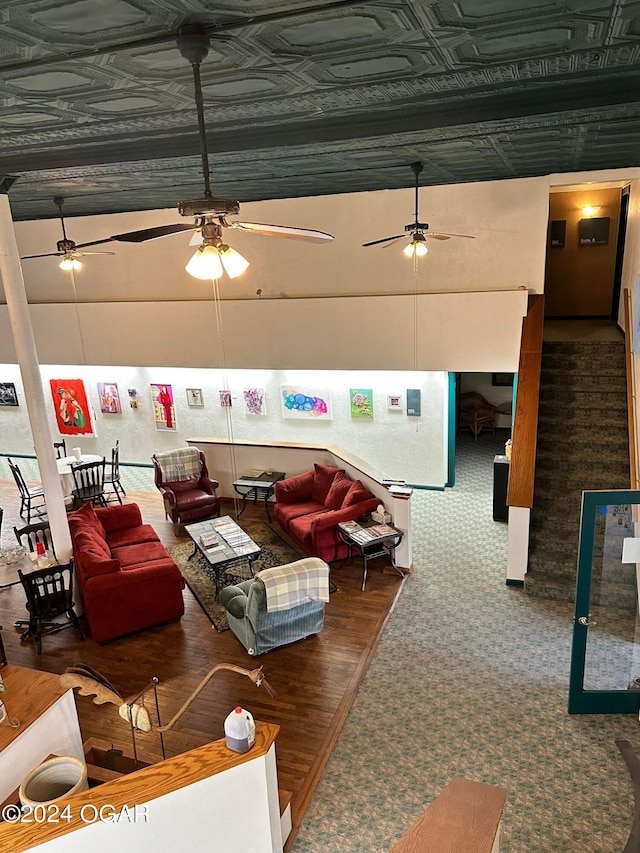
[71,406]
[394,402]
[8,394]
[361,402]
[254,401]
[225,399]
[305,403]
[195,397]
[164,412]
[109,398]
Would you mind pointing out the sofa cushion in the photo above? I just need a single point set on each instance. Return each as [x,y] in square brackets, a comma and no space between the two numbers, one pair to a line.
[132,536]
[119,517]
[286,512]
[86,518]
[93,566]
[144,552]
[356,494]
[338,491]
[323,477]
[88,541]
[301,529]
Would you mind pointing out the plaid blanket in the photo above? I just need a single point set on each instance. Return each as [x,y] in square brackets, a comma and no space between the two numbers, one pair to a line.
[294,583]
[180,464]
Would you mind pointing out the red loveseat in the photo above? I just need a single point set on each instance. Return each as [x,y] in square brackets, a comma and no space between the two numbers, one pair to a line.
[127,578]
[310,505]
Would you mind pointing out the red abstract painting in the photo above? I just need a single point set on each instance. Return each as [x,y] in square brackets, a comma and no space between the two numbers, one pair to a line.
[73,415]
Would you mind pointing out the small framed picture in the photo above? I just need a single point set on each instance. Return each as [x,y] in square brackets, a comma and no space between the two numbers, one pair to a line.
[8,395]
[394,402]
[194,397]
[502,379]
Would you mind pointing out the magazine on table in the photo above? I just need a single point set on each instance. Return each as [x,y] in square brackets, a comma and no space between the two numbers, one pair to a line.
[382,530]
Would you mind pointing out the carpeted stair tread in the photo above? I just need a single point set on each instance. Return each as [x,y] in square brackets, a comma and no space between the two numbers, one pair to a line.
[582,445]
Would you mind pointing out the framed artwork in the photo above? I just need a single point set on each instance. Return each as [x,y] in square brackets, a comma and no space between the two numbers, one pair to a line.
[502,379]
[361,400]
[299,402]
[394,402]
[133,398]
[195,397]
[109,398]
[8,394]
[254,401]
[70,403]
[225,399]
[413,402]
[164,412]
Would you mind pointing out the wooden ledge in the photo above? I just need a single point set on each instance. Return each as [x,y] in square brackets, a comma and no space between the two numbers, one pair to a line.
[464,818]
[30,692]
[138,788]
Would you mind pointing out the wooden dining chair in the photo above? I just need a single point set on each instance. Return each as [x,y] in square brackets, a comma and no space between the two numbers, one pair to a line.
[60,448]
[29,536]
[31,497]
[49,595]
[114,490]
[88,478]
[3,654]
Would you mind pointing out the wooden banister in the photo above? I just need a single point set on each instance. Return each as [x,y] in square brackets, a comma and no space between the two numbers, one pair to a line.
[631,400]
[525,424]
[464,818]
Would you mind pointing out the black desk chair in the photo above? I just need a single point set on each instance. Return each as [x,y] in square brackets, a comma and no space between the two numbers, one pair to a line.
[112,480]
[31,497]
[49,595]
[89,483]
[60,448]
[29,536]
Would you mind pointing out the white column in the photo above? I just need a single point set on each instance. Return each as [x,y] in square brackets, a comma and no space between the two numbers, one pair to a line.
[401,512]
[518,544]
[24,341]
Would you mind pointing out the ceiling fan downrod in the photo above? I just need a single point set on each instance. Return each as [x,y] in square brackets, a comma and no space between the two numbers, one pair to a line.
[193,44]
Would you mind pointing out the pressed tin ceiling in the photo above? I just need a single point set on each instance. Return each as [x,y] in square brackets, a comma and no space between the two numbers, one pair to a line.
[96,102]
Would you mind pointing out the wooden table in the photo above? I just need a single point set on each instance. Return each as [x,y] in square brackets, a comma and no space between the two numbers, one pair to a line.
[48,724]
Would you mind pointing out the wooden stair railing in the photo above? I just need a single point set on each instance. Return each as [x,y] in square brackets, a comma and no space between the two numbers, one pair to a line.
[631,397]
[525,423]
[464,818]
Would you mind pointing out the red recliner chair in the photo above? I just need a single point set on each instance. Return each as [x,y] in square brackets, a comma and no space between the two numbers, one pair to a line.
[188,492]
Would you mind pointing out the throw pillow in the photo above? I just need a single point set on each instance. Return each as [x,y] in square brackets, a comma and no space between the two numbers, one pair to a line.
[338,491]
[86,517]
[356,494]
[322,479]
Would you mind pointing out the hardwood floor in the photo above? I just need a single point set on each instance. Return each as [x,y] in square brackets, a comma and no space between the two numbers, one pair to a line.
[316,679]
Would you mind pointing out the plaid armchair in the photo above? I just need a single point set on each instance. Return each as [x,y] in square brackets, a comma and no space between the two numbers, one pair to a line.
[278,606]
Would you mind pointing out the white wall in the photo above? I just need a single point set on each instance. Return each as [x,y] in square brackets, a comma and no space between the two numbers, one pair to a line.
[412,448]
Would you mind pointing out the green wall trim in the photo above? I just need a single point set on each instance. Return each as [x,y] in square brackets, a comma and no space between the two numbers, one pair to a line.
[125,464]
[451,433]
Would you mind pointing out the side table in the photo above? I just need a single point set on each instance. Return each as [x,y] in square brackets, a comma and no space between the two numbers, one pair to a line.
[259,486]
[370,541]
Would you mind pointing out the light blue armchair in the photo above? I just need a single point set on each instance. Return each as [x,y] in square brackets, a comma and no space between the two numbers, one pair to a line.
[297,605]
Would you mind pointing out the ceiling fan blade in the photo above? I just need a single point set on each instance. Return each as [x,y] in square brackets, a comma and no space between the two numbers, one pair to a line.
[384,240]
[394,242]
[140,236]
[45,255]
[443,235]
[82,254]
[283,231]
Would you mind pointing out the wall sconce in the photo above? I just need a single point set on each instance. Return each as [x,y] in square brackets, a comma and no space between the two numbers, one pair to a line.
[589,210]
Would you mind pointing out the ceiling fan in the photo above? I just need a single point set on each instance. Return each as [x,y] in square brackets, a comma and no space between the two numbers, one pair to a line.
[67,249]
[210,213]
[419,231]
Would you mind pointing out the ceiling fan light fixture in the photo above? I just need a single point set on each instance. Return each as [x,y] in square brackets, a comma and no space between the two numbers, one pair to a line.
[69,263]
[205,263]
[233,262]
[417,246]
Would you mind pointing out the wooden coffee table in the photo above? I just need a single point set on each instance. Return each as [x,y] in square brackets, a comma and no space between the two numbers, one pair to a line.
[223,544]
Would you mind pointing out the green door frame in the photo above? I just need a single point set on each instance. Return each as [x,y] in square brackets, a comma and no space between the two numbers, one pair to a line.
[583,701]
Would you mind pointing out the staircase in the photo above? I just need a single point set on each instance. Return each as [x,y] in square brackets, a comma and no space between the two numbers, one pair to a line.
[582,445]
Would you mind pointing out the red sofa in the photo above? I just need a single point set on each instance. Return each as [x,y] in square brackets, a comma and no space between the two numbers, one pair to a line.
[310,505]
[127,578]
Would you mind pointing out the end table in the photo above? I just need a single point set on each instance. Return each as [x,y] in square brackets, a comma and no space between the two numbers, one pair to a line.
[260,486]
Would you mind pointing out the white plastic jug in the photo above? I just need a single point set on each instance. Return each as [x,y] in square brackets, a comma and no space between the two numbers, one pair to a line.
[239,730]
